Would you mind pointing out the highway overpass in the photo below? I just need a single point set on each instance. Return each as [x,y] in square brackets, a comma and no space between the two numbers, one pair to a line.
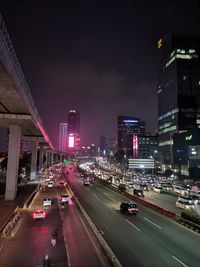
[18,113]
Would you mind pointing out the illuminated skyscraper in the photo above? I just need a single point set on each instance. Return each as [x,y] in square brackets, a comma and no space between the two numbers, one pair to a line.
[102,145]
[128,127]
[73,130]
[73,122]
[178,90]
[63,137]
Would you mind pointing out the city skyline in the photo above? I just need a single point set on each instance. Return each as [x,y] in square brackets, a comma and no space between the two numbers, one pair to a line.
[103,61]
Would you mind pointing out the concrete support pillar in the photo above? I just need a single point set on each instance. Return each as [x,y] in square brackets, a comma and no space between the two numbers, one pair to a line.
[34,160]
[57,158]
[46,156]
[61,158]
[41,157]
[13,162]
[52,158]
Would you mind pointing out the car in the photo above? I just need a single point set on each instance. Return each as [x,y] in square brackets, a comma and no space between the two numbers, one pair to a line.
[131,185]
[39,214]
[158,189]
[122,187]
[184,205]
[50,184]
[47,201]
[145,187]
[188,199]
[61,183]
[64,199]
[138,192]
[86,181]
[129,207]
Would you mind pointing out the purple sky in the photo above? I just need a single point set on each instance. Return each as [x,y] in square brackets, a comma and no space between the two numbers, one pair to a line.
[99,57]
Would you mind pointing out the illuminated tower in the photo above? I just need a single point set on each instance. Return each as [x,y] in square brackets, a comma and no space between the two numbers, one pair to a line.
[63,137]
[74,122]
[178,90]
[128,127]
[73,130]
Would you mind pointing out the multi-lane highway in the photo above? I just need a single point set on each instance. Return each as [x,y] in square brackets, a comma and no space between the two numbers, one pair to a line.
[164,200]
[147,239]
[75,243]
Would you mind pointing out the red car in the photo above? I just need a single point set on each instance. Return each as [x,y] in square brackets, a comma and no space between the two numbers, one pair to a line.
[39,214]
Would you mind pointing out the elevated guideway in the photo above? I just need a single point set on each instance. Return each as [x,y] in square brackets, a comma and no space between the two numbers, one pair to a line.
[18,113]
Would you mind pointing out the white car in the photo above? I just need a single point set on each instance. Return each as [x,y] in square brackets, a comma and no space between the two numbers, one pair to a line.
[188,199]
[64,199]
[184,205]
[50,184]
[158,189]
[47,202]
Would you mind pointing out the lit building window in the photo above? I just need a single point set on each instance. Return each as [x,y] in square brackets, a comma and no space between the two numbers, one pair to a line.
[169,113]
[165,143]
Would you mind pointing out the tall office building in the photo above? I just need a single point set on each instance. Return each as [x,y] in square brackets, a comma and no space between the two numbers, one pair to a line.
[73,131]
[73,122]
[102,145]
[63,137]
[127,128]
[178,90]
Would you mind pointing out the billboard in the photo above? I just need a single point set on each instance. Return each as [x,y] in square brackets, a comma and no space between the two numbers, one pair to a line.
[141,164]
[71,141]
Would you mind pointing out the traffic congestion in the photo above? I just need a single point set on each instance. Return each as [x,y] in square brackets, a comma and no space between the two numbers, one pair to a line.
[185,195]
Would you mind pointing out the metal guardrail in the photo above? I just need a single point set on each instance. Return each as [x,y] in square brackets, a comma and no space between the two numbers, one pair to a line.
[31,197]
[167,213]
[11,224]
[189,224]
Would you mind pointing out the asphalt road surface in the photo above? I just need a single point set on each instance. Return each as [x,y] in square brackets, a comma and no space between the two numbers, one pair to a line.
[75,245]
[147,239]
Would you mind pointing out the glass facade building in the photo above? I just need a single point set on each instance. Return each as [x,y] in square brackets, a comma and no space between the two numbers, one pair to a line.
[73,122]
[127,127]
[73,130]
[178,90]
[63,137]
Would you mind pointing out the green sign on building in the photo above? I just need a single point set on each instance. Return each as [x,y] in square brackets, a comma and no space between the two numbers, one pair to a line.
[188,138]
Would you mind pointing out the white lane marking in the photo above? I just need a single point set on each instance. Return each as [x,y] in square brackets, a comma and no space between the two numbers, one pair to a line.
[133,225]
[95,195]
[98,189]
[108,205]
[180,261]
[153,223]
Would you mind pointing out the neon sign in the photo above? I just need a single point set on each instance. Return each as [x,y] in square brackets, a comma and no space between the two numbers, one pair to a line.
[188,138]
[135,146]
[71,141]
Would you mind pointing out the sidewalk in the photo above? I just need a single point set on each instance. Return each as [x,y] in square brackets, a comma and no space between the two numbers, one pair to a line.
[7,207]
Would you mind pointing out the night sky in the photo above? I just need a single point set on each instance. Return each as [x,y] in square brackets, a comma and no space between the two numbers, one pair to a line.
[99,57]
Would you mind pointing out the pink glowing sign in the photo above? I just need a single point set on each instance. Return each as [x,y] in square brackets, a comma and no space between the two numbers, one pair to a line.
[135,146]
[71,141]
